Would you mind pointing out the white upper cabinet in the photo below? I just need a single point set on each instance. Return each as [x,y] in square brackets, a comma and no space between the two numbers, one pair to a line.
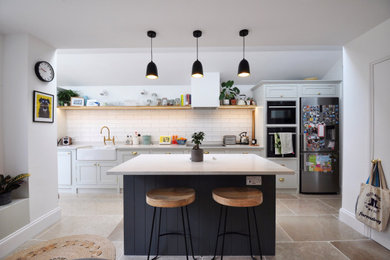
[320,90]
[281,91]
[205,91]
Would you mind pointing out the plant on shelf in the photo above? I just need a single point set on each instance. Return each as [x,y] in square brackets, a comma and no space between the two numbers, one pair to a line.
[196,152]
[228,93]
[64,96]
[8,184]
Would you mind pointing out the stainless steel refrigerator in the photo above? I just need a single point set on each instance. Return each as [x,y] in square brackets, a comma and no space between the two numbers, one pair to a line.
[319,145]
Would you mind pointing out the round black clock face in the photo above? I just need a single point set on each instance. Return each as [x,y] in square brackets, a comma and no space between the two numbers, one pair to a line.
[44,71]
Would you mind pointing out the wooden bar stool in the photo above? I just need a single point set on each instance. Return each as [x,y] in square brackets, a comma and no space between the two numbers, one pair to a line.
[171,198]
[241,197]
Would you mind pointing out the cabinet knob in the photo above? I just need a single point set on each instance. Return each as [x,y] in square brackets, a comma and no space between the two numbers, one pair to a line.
[134,153]
[281,96]
[281,179]
[283,164]
[206,152]
[68,153]
[319,93]
[244,152]
[98,164]
[167,153]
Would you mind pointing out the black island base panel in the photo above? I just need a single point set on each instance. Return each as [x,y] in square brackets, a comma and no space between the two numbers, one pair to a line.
[204,213]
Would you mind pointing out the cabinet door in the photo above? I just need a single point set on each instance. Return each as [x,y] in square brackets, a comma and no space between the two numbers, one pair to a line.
[322,90]
[287,181]
[283,91]
[127,155]
[87,173]
[103,177]
[167,151]
[64,168]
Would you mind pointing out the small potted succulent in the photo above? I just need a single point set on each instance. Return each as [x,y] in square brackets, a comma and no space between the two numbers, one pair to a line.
[228,93]
[196,152]
[8,184]
[64,96]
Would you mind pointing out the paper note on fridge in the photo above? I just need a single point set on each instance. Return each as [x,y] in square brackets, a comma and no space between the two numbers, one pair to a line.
[321,130]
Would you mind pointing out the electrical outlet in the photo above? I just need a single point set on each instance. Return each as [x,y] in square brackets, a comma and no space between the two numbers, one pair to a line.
[253,180]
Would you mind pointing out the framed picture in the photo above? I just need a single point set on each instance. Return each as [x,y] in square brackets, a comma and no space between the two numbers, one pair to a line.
[77,101]
[92,103]
[164,139]
[43,107]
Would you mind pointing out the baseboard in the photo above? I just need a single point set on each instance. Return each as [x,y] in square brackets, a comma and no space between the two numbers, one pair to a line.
[349,219]
[14,240]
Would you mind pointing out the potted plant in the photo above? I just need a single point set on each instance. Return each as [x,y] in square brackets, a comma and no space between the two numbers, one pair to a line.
[8,184]
[64,96]
[196,152]
[228,93]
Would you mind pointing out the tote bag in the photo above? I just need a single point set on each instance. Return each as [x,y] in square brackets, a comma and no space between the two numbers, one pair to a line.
[373,204]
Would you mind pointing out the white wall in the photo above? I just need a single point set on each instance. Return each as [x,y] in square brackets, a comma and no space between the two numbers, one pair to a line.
[28,147]
[1,98]
[335,72]
[357,56]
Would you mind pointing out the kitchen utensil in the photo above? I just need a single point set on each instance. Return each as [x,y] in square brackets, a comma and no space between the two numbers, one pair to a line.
[146,139]
[244,139]
[164,101]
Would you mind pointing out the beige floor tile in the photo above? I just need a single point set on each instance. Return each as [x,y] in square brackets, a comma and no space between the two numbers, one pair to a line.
[318,196]
[76,225]
[362,250]
[335,203]
[317,228]
[281,235]
[308,207]
[306,251]
[91,207]
[119,248]
[282,210]
[285,196]
[117,233]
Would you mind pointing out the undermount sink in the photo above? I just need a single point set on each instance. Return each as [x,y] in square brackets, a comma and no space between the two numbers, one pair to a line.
[96,153]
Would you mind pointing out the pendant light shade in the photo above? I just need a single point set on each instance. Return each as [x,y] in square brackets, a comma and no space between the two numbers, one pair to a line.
[151,69]
[243,67]
[197,68]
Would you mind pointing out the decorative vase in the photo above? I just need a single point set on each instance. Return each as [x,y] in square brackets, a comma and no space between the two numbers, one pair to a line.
[226,102]
[233,101]
[5,198]
[197,155]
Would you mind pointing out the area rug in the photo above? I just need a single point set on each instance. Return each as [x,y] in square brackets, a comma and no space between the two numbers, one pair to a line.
[67,248]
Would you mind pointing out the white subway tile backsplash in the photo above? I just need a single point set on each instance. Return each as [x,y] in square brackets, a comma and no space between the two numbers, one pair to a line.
[84,126]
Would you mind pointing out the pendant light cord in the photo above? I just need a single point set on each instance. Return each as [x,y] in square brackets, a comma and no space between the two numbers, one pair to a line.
[197,48]
[151,49]
[243,47]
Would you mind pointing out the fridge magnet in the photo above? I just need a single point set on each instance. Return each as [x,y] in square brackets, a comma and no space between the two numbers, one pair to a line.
[77,101]
[43,107]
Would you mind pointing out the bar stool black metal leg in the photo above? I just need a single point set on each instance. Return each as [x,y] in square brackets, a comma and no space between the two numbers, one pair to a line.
[224,233]
[184,231]
[257,233]
[151,232]
[158,237]
[219,226]
[249,233]
[189,231]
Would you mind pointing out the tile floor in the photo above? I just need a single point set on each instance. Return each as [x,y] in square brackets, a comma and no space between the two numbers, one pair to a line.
[307,227]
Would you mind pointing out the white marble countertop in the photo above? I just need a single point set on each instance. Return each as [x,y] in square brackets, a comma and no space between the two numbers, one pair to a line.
[213,164]
[154,146]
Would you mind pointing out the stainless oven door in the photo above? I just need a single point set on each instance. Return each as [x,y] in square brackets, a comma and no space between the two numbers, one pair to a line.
[281,112]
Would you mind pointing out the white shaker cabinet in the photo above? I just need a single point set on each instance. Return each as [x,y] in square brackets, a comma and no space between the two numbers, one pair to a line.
[320,90]
[64,169]
[205,91]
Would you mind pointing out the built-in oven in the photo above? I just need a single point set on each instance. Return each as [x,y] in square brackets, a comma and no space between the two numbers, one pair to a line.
[271,147]
[281,112]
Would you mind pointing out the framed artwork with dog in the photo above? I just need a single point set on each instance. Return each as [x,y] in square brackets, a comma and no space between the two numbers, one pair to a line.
[43,107]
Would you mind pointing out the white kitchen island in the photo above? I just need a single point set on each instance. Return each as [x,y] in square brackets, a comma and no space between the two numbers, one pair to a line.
[149,171]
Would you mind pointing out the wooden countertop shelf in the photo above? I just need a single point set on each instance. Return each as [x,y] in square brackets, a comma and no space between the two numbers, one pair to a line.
[145,107]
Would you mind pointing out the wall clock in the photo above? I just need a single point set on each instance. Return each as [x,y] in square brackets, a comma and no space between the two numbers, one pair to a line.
[44,71]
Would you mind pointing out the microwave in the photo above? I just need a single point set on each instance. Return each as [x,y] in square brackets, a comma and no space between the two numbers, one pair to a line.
[281,112]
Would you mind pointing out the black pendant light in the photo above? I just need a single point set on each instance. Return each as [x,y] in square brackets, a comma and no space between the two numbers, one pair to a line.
[243,67]
[151,70]
[197,68]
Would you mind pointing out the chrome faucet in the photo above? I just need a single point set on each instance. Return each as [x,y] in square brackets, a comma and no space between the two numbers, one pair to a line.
[108,139]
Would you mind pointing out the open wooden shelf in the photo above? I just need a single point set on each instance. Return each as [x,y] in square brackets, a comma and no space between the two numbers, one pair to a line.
[146,107]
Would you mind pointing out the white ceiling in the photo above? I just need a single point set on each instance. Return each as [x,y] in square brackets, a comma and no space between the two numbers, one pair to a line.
[123,23]
[123,68]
